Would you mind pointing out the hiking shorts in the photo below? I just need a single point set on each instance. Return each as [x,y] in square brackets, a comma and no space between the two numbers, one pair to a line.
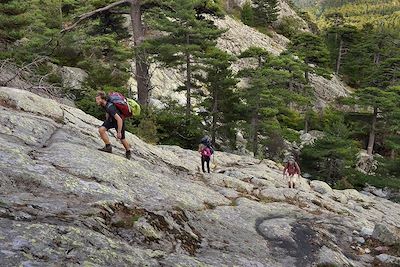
[292,178]
[113,124]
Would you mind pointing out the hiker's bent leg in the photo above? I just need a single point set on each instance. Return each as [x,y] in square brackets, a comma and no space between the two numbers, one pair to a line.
[104,135]
[126,145]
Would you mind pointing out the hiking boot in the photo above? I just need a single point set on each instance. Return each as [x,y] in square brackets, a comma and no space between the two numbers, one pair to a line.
[106,148]
[128,154]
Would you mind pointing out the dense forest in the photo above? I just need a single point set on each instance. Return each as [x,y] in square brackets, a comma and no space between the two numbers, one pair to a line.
[358,40]
[357,12]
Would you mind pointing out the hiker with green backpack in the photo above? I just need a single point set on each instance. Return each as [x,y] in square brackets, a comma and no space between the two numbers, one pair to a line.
[117,108]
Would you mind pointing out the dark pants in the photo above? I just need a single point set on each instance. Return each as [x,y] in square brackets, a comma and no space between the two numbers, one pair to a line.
[205,160]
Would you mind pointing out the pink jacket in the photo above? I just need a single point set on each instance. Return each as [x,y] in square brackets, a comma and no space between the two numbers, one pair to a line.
[206,152]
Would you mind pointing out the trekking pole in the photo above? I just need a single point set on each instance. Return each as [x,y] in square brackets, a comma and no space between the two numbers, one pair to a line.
[213,160]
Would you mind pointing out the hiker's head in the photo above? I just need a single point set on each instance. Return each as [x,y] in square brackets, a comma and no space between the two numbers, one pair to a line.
[101,98]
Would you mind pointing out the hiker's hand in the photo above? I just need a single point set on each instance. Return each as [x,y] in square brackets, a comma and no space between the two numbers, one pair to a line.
[119,135]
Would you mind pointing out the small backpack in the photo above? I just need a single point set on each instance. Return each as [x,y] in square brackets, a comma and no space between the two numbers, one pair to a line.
[127,106]
[207,142]
[134,106]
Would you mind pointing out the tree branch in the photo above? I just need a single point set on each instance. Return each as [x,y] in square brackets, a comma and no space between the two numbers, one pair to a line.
[92,13]
[120,12]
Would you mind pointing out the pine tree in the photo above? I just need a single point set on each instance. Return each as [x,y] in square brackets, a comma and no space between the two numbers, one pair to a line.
[187,37]
[328,158]
[135,9]
[263,99]
[265,12]
[274,84]
[247,14]
[341,39]
[363,65]
[311,49]
[299,95]
[260,54]
[387,73]
[220,82]
[381,101]
[13,20]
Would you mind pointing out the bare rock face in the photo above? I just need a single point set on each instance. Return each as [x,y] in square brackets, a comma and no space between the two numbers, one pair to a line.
[388,234]
[72,77]
[321,187]
[310,137]
[240,37]
[328,90]
[366,163]
[285,10]
[64,203]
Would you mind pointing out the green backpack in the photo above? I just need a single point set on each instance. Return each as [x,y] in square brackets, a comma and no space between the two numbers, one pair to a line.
[134,107]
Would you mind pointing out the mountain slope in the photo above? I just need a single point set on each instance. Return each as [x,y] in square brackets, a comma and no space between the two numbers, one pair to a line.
[65,203]
[238,38]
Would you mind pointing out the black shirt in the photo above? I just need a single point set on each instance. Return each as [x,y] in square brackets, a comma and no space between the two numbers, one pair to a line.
[111,109]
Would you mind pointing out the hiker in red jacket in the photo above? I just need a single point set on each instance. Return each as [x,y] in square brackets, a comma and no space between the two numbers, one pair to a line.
[115,120]
[290,170]
[205,156]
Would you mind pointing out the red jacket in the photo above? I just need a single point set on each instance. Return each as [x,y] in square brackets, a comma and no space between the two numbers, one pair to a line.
[292,169]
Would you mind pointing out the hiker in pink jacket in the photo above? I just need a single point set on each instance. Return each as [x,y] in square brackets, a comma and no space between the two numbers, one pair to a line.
[291,169]
[205,156]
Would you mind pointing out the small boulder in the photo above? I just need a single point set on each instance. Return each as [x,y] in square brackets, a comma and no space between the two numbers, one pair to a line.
[366,232]
[381,249]
[339,197]
[387,234]
[327,256]
[229,193]
[360,240]
[73,77]
[388,259]
[321,187]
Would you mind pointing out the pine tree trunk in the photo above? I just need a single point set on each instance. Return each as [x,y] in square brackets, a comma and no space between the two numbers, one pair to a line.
[377,58]
[61,14]
[142,68]
[188,81]
[188,89]
[339,59]
[307,76]
[392,154]
[306,123]
[371,140]
[291,86]
[254,126]
[214,116]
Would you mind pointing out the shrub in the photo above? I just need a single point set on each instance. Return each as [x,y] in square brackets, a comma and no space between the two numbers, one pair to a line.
[247,14]
[289,27]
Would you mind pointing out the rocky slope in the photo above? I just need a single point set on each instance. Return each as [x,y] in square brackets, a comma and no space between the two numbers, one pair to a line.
[63,203]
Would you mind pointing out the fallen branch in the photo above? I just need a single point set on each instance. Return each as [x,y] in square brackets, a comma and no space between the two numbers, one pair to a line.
[35,63]
[92,13]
